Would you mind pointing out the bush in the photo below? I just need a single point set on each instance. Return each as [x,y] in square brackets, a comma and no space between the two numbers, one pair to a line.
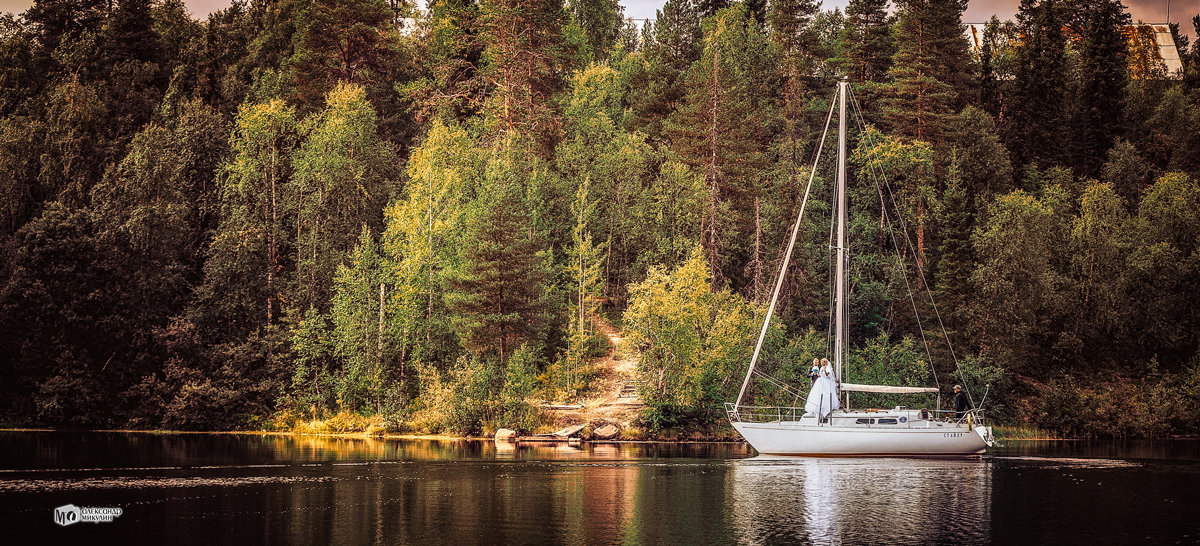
[478,395]
[1120,407]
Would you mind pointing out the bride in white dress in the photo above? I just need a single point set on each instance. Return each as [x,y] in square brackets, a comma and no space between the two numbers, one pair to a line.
[823,399]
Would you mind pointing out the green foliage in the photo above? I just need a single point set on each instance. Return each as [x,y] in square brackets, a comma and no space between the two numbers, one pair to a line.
[341,183]
[1103,80]
[424,232]
[523,58]
[479,395]
[586,287]
[1037,112]
[723,130]
[601,21]
[1117,405]
[1127,171]
[883,362]
[248,266]
[1016,282]
[358,311]
[867,41]
[342,42]
[693,341]
[499,297]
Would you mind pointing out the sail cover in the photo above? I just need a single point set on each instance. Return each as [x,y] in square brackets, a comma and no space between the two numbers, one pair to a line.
[822,399]
[886,388]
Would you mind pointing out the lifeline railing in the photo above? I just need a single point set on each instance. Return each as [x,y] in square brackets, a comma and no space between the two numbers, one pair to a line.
[778,414]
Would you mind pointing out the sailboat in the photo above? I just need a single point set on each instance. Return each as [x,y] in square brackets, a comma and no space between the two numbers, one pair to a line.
[823,427]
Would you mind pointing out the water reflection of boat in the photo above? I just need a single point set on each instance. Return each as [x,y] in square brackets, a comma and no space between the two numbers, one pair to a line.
[810,500]
[823,426]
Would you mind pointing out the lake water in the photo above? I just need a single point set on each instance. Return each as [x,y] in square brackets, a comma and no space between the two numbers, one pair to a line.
[233,489]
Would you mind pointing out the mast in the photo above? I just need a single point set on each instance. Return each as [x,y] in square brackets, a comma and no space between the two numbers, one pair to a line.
[840,318]
[787,258]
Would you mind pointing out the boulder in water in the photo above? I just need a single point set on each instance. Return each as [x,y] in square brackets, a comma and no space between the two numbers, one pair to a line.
[606,432]
[506,435]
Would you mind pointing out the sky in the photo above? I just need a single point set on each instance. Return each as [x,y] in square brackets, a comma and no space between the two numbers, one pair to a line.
[978,11]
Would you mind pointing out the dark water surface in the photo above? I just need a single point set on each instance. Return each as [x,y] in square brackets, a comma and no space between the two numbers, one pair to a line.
[235,489]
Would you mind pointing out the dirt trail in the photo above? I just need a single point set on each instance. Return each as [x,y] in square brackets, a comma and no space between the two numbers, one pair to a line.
[612,398]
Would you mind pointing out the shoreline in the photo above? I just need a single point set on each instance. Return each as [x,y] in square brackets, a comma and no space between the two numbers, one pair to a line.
[446,437]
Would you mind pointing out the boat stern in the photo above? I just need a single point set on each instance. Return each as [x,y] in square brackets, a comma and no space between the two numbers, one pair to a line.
[985,433]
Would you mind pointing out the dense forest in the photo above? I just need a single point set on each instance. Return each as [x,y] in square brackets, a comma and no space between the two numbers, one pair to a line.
[300,208]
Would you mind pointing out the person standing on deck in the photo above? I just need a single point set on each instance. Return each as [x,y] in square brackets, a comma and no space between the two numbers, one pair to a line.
[960,402]
[814,372]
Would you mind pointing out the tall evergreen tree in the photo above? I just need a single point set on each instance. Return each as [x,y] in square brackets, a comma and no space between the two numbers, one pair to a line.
[1037,116]
[601,21]
[500,299]
[56,20]
[990,95]
[793,35]
[656,84]
[708,8]
[524,57]
[450,89]
[930,70]
[867,41]
[348,41]
[129,33]
[724,127]
[1103,80]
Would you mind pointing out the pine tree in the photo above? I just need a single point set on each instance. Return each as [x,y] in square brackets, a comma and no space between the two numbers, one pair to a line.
[58,20]
[601,21]
[450,90]
[342,41]
[1104,77]
[1037,112]
[930,70]
[990,95]
[724,127]
[708,8]
[130,36]
[499,300]
[867,41]
[793,35]
[656,84]
[956,258]
[523,60]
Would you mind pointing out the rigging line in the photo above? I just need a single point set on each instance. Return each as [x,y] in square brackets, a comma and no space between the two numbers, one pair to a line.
[921,273]
[896,246]
[778,383]
[762,334]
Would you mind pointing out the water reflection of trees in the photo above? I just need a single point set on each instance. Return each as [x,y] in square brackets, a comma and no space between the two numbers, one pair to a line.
[857,500]
[522,494]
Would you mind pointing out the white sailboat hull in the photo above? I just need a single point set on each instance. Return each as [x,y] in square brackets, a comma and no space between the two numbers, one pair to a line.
[796,438]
